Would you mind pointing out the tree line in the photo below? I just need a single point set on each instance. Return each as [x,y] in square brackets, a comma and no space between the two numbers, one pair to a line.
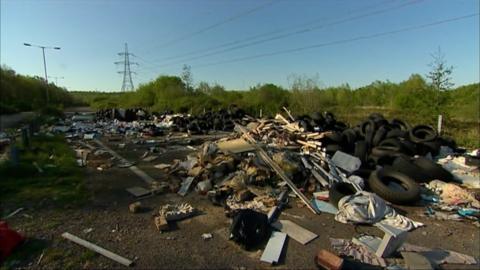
[414,96]
[26,93]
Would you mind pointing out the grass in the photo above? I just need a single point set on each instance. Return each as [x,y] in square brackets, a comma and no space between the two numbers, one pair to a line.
[59,185]
[60,182]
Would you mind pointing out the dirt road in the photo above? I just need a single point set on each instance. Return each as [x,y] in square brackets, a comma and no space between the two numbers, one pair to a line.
[106,221]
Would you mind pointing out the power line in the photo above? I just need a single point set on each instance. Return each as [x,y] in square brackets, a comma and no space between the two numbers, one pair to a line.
[127,84]
[297,32]
[217,24]
[264,34]
[406,29]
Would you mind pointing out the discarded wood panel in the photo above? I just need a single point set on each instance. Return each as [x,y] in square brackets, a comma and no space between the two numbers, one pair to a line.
[185,186]
[138,191]
[235,146]
[13,213]
[267,159]
[145,177]
[274,247]
[97,249]
[319,178]
[298,233]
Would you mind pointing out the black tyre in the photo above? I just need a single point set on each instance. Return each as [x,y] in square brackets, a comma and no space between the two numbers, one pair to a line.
[396,123]
[422,133]
[369,124]
[349,136]
[332,148]
[381,151]
[361,150]
[433,147]
[409,147]
[392,143]
[396,133]
[369,133]
[339,190]
[394,186]
[433,170]
[406,166]
[380,134]
[335,137]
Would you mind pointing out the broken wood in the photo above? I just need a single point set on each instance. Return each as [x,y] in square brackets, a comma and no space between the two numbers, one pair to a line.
[97,249]
[235,146]
[268,160]
[145,177]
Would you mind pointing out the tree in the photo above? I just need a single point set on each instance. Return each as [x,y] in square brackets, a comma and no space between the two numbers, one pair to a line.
[440,75]
[187,77]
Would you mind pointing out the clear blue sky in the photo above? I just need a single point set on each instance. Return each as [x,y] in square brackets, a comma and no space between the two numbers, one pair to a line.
[91,32]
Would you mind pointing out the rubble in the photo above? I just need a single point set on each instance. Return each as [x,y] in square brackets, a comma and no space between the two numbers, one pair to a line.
[317,161]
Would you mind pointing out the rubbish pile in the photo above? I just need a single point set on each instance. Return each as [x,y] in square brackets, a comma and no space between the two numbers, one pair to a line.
[223,119]
[354,173]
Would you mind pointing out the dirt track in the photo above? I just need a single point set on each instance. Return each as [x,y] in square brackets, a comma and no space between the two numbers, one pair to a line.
[135,237]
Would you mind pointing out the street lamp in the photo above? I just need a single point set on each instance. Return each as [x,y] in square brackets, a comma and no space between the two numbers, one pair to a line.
[44,61]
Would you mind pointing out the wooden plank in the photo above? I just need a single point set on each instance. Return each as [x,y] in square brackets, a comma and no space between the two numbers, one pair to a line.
[319,178]
[273,250]
[185,186]
[145,177]
[300,234]
[267,159]
[97,249]
[138,191]
[235,146]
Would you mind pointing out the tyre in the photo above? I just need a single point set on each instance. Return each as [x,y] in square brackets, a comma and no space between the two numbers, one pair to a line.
[369,124]
[396,123]
[335,137]
[394,143]
[349,136]
[361,150]
[369,133]
[396,133]
[382,161]
[332,148]
[433,147]
[422,133]
[433,170]
[380,135]
[381,151]
[409,147]
[339,190]
[406,166]
[394,186]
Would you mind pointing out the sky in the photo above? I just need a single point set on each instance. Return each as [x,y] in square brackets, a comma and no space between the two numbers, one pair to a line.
[240,43]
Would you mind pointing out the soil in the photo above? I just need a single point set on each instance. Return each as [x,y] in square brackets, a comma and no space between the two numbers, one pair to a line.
[106,221]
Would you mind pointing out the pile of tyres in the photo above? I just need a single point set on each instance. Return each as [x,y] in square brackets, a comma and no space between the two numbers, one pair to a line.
[127,115]
[393,154]
[221,120]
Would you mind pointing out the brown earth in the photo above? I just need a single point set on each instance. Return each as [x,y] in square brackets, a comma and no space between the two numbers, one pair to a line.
[134,236]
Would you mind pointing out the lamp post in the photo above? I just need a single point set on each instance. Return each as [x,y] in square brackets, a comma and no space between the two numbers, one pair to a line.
[44,62]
